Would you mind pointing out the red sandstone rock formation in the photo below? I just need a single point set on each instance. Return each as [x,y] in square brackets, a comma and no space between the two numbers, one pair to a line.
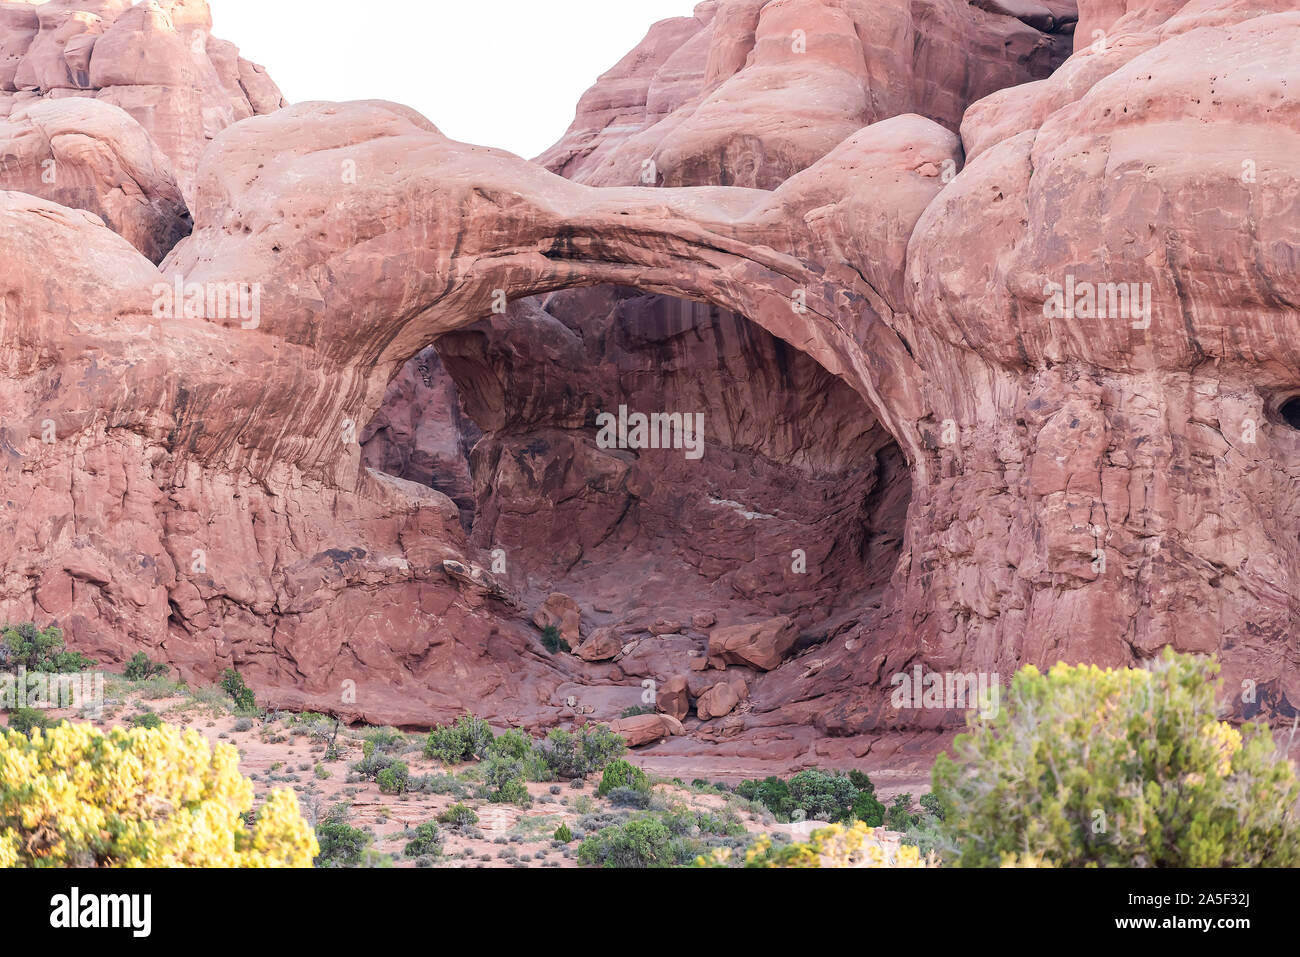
[157,60]
[1019,480]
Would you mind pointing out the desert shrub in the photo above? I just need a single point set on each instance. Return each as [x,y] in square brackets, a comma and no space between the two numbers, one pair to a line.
[868,809]
[563,834]
[458,815]
[1127,767]
[25,720]
[427,842]
[232,683]
[148,719]
[40,650]
[575,755]
[388,740]
[771,792]
[832,846]
[899,817]
[341,844]
[77,796]
[629,797]
[140,668]
[638,709]
[503,780]
[621,774]
[552,641]
[372,764]
[640,842]
[513,743]
[823,795]
[930,805]
[393,779]
[465,740]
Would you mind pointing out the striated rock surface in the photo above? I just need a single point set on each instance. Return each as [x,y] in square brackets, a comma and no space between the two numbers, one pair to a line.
[89,155]
[157,60]
[985,382]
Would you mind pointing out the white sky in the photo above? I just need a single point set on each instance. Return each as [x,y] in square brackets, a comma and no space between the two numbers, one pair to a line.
[505,73]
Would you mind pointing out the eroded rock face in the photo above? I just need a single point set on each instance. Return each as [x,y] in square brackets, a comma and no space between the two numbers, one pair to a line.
[1069,484]
[89,155]
[157,60]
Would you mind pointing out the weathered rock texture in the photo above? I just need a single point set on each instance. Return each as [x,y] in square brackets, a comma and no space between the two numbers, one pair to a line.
[984,480]
[157,60]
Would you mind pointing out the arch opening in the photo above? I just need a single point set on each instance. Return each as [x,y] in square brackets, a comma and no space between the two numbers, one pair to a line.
[795,504]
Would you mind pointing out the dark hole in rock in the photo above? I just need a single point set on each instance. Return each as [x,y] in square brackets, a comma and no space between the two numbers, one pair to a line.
[796,507]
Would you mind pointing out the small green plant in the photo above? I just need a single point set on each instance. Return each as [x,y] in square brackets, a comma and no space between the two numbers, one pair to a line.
[575,755]
[341,845]
[26,720]
[503,780]
[393,779]
[39,650]
[140,668]
[640,842]
[563,834]
[458,816]
[148,719]
[868,809]
[467,739]
[899,817]
[426,843]
[621,774]
[322,773]
[232,683]
[552,641]
[823,795]
[930,805]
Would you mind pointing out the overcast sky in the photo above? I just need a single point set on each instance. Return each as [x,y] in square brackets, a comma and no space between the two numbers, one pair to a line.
[504,73]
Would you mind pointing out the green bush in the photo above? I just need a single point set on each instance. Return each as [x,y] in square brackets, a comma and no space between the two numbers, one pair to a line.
[771,792]
[232,683]
[140,668]
[563,834]
[341,845]
[621,774]
[513,743]
[458,815]
[823,795]
[868,809]
[393,779]
[503,780]
[426,843]
[570,755]
[39,650]
[24,720]
[930,805]
[149,719]
[1117,768]
[467,739]
[899,817]
[552,641]
[640,842]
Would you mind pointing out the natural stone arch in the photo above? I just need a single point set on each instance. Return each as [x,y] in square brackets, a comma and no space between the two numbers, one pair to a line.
[371,234]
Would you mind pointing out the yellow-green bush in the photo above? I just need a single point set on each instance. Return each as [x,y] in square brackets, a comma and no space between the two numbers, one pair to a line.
[831,846]
[1117,768]
[74,796]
